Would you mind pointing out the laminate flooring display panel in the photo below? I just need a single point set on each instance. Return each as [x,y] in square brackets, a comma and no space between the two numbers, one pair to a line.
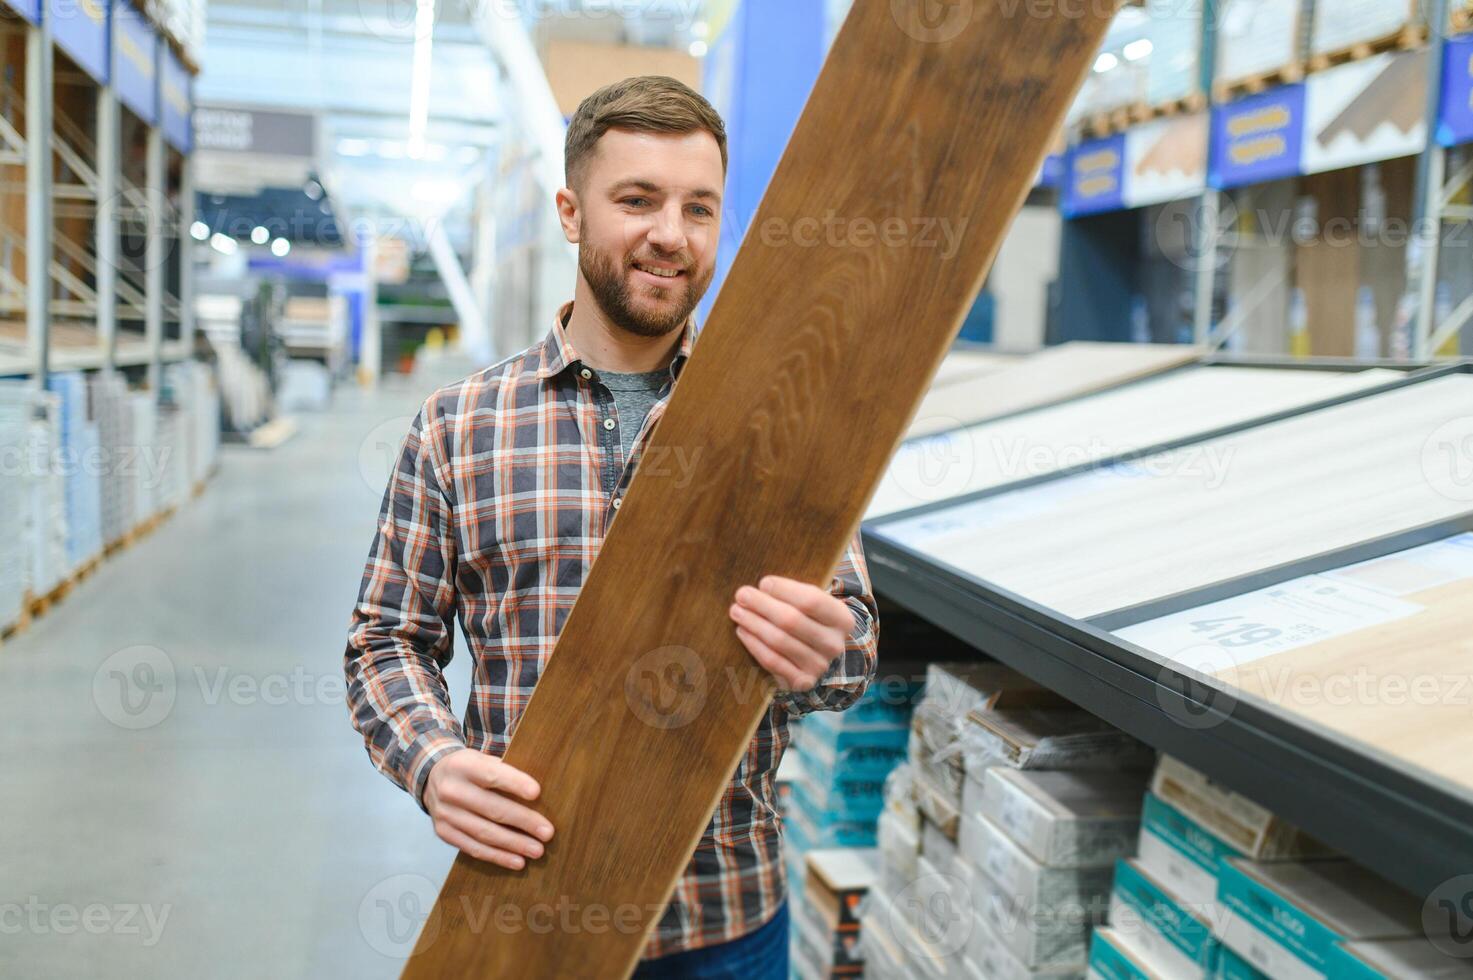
[1173,522]
[1052,374]
[966,365]
[794,399]
[1377,652]
[1175,405]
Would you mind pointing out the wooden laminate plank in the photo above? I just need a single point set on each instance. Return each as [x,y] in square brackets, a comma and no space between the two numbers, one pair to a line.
[1148,413]
[1112,538]
[796,395]
[1377,652]
[1053,374]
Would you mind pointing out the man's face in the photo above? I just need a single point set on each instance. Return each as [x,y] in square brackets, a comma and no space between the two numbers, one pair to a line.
[646,221]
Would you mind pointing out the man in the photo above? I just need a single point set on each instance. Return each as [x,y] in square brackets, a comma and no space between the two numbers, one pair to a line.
[504,490]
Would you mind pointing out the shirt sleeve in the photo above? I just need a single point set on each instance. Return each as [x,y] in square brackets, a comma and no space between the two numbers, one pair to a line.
[848,676]
[400,637]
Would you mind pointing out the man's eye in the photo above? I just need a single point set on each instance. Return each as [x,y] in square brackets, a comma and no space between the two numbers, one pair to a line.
[702,210]
[636,201]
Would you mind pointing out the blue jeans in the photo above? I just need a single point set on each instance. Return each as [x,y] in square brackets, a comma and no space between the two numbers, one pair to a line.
[760,955]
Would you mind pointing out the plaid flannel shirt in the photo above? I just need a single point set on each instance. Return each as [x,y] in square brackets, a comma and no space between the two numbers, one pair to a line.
[501,495]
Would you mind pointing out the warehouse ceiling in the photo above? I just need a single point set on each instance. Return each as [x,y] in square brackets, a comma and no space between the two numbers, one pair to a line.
[352,64]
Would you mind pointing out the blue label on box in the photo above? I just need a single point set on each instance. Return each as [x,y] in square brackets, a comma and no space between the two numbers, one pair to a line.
[1204,849]
[826,828]
[79,27]
[1094,176]
[1110,962]
[135,52]
[1258,138]
[1231,966]
[1179,926]
[1455,122]
[1270,914]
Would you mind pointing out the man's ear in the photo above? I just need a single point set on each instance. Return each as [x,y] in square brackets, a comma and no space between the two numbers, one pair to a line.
[567,213]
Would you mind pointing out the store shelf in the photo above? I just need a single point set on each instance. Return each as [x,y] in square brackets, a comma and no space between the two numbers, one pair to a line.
[1354,796]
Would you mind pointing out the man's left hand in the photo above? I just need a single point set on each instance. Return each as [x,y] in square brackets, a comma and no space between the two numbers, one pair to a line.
[793,630]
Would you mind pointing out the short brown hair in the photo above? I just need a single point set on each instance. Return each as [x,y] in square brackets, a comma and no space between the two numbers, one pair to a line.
[646,104]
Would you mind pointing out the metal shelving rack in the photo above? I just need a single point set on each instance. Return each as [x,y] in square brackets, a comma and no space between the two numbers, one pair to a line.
[1434,194]
[102,190]
[1350,796]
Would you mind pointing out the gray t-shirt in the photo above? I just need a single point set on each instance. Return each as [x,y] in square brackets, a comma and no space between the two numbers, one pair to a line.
[634,396]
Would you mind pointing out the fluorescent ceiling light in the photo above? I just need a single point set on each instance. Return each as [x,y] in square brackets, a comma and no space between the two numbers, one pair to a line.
[199,231]
[260,235]
[419,82]
[280,247]
[698,49]
[1106,61]
[1138,49]
[222,243]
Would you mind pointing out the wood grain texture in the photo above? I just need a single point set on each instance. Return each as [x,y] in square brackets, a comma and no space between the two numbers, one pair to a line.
[1052,374]
[1404,687]
[1175,405]
[1105,540]
[809,368]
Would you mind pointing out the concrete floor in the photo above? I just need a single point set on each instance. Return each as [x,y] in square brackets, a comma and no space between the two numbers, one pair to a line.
[181,793]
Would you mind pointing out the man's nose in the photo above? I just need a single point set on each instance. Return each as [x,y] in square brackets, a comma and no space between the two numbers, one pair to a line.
[668,231]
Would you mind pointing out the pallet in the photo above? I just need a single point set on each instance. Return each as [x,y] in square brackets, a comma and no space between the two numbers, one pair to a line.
[1408,37]
[15,629]
[1119,120]
[41,605]
[1229,89]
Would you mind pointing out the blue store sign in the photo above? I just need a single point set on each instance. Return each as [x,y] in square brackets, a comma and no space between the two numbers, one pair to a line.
[135,62]
[174,109]
[1456,123]
[1257,139]
[1095,176]
[79,28]
[29,9]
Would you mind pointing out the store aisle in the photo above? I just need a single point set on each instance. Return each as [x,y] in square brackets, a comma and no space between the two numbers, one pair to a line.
[175,734]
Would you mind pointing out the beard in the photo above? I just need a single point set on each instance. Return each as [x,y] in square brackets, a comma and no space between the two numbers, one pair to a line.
[609,283]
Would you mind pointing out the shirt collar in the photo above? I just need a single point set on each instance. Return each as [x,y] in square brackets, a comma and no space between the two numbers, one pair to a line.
[558,354]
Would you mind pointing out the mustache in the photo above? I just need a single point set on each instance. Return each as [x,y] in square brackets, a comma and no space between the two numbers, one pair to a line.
[682,259]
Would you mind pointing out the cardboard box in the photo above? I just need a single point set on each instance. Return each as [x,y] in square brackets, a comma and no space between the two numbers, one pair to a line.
[935,805]
[1231,966]
[1396,959]
[1181,854]
[990,958]
[1112,956]
[1034,739]
[1036,935]
[1286,917]
[899,846]
[1252,829]
[1025,881]
[1062,819]
[1256,37]
[816,827]
[828,953]
[838,879]
[1174,937]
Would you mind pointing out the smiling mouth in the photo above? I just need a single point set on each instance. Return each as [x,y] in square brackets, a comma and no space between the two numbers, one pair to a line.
[659,273]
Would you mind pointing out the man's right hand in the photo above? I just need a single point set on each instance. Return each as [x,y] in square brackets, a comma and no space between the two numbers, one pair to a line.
[470,796]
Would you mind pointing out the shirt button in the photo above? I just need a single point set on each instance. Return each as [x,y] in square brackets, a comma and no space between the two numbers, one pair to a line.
[617,502]
[586,373]
[608,423]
